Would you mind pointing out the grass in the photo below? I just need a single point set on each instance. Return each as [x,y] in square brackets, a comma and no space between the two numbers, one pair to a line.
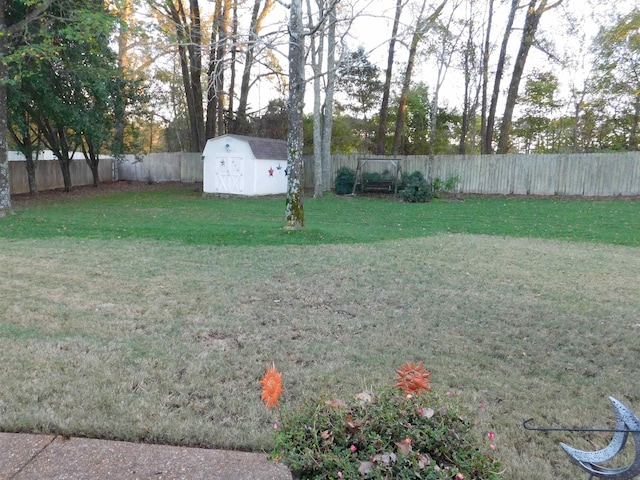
[150,316]
[183,215]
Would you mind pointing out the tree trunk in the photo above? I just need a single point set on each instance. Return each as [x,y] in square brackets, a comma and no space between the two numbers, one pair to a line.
[28,146]
[633,135]
[317,58]
[120,122]
[466,108]
[398,138]
[5,186]
[65,168]
[234,50]
[488,132]
[484,148]
[219,78]
[190,52]
[93,160]
[93,166]
[327,113]
[55,139]
[531,23]
[30,164]
[257,19]
[384,108]
[195,54]
[294,207]
[214,65]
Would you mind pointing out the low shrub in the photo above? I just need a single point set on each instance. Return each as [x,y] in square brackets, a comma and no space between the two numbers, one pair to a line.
[440,187]
[345,178]
[416,189]
[390,433]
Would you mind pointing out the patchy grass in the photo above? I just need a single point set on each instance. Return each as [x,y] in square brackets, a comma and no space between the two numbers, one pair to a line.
[141,339]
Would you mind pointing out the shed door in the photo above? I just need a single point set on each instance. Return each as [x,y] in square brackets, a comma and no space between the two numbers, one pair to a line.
[229,175]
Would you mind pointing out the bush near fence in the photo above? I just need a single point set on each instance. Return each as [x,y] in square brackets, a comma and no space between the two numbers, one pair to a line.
[592,175]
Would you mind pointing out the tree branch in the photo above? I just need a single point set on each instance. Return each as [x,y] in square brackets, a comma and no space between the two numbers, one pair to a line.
[31,16]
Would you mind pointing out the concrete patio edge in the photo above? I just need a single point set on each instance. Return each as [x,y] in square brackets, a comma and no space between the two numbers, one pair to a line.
[31,457]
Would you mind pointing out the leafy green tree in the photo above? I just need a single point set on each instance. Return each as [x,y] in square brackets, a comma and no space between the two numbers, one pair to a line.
[359,80]
[419,136]
[274,122]
[417,131]
[538,101]
[70,95]
[618,75]
[16,18]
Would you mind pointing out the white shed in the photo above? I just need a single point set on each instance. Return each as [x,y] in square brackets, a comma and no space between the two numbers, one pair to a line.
[241,165]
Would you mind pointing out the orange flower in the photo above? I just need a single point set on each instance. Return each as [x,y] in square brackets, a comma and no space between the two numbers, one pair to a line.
[412,378]
[271,387]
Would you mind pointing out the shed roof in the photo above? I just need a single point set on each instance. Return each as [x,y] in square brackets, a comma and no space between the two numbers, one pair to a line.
[264,148]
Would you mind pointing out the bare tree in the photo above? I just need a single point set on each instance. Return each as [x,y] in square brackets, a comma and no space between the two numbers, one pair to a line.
[327,111]
[322,24]
[531,23]
[258,16]
[485,81]
[316,52]
[384,108]
[422,25]
[468,67]
[188,30]
[491,117]
[447,43]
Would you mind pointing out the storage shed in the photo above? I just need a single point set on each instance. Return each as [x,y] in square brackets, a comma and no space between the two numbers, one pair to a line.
[242,165]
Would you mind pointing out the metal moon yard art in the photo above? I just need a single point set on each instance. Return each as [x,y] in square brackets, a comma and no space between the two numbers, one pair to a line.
[626,423]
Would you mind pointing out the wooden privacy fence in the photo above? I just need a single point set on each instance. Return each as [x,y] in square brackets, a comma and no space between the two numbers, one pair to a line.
[592,175]
[49,174]
[162,167]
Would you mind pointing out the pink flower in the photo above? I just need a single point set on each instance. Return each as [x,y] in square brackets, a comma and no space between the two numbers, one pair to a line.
[490,435]
[481,405]
[339,474]
[459,476]
[420,411]
[493,445]
[353,448]
[275,426]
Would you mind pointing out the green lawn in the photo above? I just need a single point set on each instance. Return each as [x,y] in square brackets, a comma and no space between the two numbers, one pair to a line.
[185,216]
[150,316]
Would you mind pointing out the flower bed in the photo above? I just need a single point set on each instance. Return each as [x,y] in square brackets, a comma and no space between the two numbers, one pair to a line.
[406,432]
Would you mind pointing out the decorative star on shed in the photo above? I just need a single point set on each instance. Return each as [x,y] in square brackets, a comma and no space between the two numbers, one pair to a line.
[286,172]
[279,167]
[222,163]
[270,172]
